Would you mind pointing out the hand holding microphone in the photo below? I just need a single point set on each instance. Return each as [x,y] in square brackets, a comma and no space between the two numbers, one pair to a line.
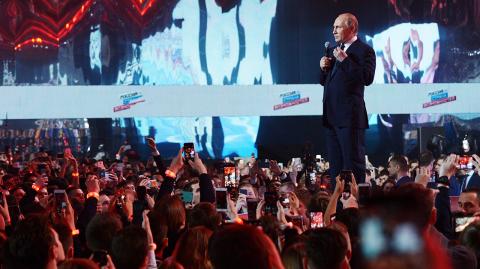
[326,62]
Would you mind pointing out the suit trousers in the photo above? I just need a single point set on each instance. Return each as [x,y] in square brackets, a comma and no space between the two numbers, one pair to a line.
[346,151]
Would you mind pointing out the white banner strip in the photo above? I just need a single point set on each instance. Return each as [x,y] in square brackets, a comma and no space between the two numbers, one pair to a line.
[42,102]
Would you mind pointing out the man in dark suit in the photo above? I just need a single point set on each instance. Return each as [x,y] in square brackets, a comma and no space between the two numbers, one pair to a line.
[471,180]
[345,71]
[398,170]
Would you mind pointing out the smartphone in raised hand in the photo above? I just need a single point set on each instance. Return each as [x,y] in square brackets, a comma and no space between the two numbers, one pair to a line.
[188,151]
[221,199]
[347,176]
[230,175]
[316,220]
[465,162]
[60,200]
[100,257]
[252,209]
[187,197]
[271,198]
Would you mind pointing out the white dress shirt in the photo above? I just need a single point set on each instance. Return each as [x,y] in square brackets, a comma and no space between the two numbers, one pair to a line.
[350,42]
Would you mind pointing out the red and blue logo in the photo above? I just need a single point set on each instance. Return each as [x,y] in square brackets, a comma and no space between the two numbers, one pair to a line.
[289,99]
[439,97]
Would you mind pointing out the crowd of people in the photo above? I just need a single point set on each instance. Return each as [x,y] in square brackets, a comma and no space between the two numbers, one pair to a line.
[65,211]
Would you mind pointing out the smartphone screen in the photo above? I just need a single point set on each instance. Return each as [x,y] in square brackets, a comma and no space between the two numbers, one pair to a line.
[229,173]
[363,193]
[153,183]
[313,178]
[280,165]
[243,191]
[271,199]
[346,175]
[100,257]
[187,197]
[221,199]
[465,162]
[316,220]
[285,202]
[60,200]
[252,209]
[189,151]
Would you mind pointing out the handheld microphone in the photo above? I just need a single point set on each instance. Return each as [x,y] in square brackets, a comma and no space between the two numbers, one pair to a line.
[327,44]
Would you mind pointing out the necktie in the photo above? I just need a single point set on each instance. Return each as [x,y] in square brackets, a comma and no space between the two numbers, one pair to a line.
[465,182]
[342,47]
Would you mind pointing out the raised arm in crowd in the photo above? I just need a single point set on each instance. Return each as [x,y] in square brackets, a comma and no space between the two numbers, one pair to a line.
[66,210]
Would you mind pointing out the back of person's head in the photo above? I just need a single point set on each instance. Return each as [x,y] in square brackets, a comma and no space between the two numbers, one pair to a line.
[130,248]
[462,257]
[326,248]
[350,217]
[33,244]
[172,213]
[339,226]
[416,196]
[79,264]
[204,214]
[242,246]
[287,187]
[191,250]
[470,237]
[190,184]
[293,257]
[426,159]
[406,212]
[383,172]
[304,195]
[388,185]
[401,161]
[101,230]
[159,231]
[319,202]
[271,227]
[291,235]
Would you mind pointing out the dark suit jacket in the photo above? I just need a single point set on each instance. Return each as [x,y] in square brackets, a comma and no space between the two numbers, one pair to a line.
[344,85]
[403,180]
[444,215]
[474,182]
